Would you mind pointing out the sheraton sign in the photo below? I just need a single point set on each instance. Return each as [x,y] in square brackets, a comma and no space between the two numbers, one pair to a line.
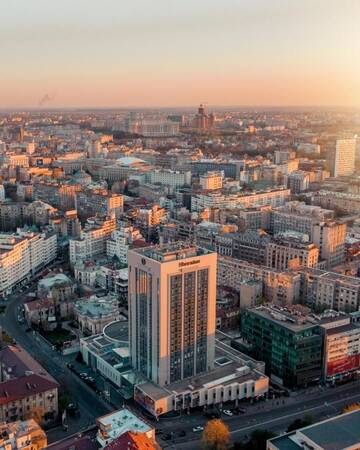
[189,263]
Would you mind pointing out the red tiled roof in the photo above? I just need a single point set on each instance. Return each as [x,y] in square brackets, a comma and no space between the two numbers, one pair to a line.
[19,361]
[19,388]
[38,304]
[138,243]
[133,441]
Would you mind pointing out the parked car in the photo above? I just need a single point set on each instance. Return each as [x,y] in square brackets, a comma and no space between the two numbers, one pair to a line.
[73,410]
[212,415]
[227,412]
[198,429]
[238,410]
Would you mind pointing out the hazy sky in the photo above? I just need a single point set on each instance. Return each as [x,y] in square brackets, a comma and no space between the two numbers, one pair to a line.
[179,52]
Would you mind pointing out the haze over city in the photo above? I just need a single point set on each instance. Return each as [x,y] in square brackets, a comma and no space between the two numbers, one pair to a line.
[180,225]
[176,53]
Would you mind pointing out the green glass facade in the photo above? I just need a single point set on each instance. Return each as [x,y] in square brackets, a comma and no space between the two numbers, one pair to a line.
[291,354]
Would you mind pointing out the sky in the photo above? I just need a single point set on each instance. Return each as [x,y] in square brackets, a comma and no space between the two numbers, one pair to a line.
[134,53]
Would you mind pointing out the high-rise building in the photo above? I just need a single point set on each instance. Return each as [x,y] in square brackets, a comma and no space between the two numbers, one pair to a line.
[92,240]
[288,250]
[172,311]
[329,237]
[330,290]
[344,157]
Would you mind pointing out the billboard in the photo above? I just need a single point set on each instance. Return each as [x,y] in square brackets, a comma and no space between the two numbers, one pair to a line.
[341,365]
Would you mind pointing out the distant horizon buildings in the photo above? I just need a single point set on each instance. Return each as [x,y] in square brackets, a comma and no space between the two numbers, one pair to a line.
[203,121]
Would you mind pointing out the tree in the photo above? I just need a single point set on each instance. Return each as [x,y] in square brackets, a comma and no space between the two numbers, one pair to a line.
[257,441]
[216,435]
[352,407]
[300,423]
[37,414]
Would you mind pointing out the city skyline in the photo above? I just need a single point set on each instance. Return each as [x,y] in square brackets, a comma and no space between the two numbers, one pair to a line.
[254,53]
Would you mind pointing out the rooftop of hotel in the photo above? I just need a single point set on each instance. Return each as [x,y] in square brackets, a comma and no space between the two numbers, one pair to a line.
[230,366]
[172,252]
[117,331]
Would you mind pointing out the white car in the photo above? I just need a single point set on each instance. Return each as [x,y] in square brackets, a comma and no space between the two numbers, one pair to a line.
[227,412]
[198,429]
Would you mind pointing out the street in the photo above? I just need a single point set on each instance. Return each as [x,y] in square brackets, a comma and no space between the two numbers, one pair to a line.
[90,404]
[268,415]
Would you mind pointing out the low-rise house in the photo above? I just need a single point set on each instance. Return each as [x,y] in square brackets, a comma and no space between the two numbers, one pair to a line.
[47,312]
[57,286]
[26,389]
[22,435]
[86,272]
[115,424]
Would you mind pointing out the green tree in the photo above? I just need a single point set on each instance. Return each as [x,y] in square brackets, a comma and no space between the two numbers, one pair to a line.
[257,440]
[300,423]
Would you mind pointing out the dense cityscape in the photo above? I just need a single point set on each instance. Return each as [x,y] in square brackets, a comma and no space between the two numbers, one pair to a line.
[171,276]
[180,225]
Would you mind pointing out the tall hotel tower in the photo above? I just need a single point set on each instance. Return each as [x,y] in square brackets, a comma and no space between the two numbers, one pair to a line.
[172,311]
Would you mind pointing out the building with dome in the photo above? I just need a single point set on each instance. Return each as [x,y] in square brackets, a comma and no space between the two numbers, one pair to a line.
[81,177]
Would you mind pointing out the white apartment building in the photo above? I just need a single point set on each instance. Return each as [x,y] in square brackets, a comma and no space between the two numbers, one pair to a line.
[2,193]
[273,197]
[120,242]
[282,288]
[212,180]
[344,164]
[15,160]
[22,255]
[298,181]
[171,178]
[286,252]
[343,201]
[330,290]
[86,272]
[281,156]
[298,216]
[92,240]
